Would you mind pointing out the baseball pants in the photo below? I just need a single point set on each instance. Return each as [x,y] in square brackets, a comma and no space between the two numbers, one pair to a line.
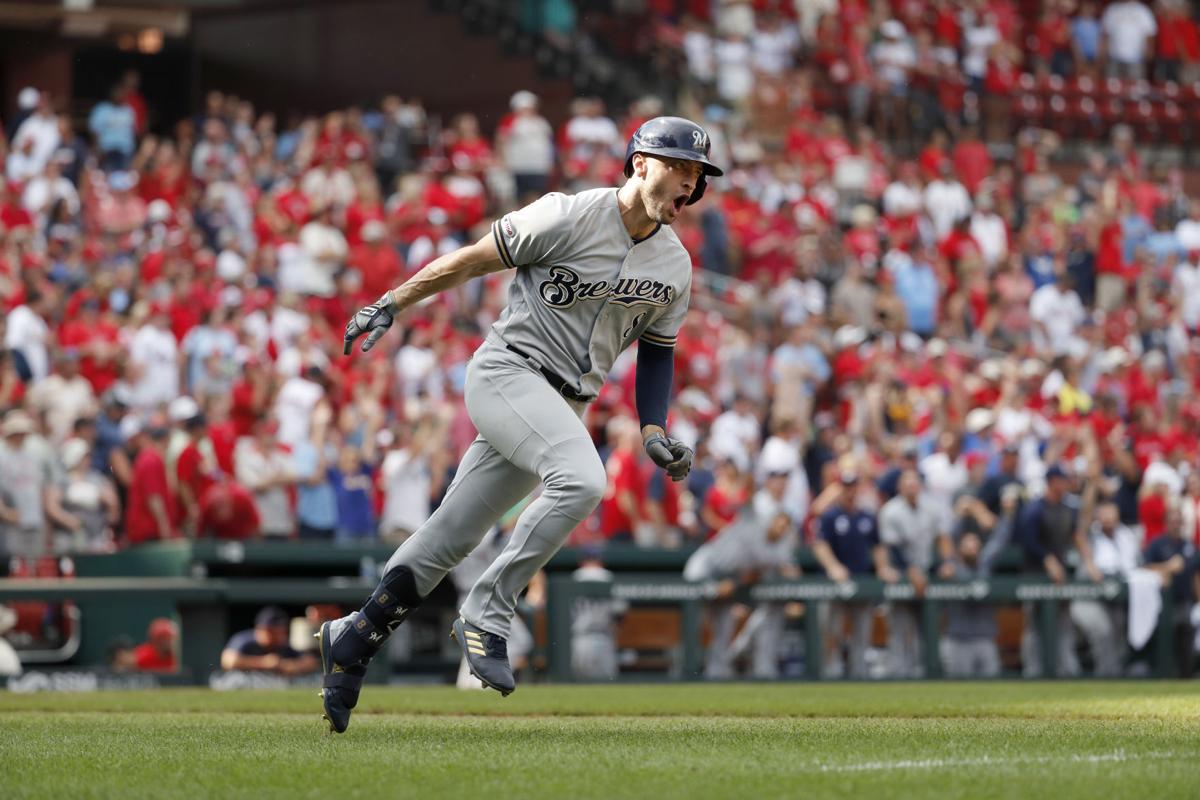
[835,619]
[528,434]
[1103,627]
[594,657]
[904,641]
[1067,662]
[970,658]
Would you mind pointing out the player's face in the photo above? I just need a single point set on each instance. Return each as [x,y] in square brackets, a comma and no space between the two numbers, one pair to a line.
[668,184]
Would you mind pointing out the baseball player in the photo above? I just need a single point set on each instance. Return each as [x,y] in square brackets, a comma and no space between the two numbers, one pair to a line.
[595,272]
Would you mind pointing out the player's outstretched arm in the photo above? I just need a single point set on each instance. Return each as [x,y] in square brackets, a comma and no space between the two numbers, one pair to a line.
[446,272]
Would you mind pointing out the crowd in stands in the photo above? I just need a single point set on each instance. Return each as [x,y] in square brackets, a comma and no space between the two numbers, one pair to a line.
[174,304]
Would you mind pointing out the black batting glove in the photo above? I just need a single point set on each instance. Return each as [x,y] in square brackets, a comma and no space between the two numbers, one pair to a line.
[671,454]
[373,320]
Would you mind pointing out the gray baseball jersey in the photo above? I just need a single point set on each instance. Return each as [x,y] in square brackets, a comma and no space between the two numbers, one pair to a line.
[584,289]
[743,545]
[910,529]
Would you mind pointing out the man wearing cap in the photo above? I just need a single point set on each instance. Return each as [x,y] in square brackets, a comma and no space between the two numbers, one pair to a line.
[27,334]
[375,259]
[151,511]
[83,506]
[265,647]
[63,396]
[847,546]
[1005,475]
[968,646]
[113,124]
[1049,533]
[525,145]
[944,473]
[759,543]
[594,622]
[154,361]
[157,653]
[263,467]
[191,457]
[1114,553]
[22,514]
[908,525]
[1173,555]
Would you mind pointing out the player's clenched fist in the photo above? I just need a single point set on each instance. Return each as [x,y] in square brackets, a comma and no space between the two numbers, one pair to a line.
[671,454]
[373,320]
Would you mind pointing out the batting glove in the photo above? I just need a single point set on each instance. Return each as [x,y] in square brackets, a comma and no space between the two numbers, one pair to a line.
[671,454]
[373,320]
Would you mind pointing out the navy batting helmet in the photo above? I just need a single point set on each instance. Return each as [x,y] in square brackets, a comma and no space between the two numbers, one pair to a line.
[673,137]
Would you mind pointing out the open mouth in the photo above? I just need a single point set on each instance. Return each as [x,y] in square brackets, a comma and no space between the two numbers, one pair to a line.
[679,202]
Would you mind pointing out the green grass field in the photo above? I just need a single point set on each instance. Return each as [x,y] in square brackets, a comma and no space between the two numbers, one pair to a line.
[968,740]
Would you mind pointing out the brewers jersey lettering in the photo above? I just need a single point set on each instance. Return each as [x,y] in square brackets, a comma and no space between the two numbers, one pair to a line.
[584,289]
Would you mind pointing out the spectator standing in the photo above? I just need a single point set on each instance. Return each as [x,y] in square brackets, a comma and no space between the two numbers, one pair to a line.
[40,128]
[376,259]
[847,545]
[27,335]
[946,200]
[525,144]
[353,481]
[409,471]
[908,526]
[945,472]
[916,284]
[316,499]
[968,646]
[151,511]
[1057,312]
[1129,28]
[210,350]
[1086,37]
[63,397]
[1114,554]
[1049,528]
[154,362]
[87,497]
[22,488]
[758,544]
[621,506]
[1175,558]
[265,468]
[594,623]
[113,124]
[323,251]
[196,468]
[1005,475]
[297,403]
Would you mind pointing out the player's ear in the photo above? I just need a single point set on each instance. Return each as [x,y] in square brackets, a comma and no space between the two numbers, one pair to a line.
[641,165]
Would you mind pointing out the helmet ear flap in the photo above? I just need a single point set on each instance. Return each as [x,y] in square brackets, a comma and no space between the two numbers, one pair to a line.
[698,192]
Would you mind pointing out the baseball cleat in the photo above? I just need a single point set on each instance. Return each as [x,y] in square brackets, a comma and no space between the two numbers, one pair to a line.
[340,685]
[487,656]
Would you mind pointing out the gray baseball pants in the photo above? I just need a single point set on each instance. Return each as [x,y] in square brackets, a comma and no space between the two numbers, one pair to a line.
[528,434]
[970,658]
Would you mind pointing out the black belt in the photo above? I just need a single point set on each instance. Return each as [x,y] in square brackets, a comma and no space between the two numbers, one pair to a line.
[560,385]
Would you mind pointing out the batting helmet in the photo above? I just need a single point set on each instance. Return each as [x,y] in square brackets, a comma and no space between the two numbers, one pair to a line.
[673,137]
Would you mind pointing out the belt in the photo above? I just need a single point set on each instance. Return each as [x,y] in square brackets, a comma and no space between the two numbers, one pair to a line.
[560,385]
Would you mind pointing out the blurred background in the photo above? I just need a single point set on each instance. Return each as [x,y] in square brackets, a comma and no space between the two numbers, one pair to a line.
[940,371]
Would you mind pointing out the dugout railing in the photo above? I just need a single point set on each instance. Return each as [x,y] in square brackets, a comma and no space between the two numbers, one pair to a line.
[650,590]
[202,604]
